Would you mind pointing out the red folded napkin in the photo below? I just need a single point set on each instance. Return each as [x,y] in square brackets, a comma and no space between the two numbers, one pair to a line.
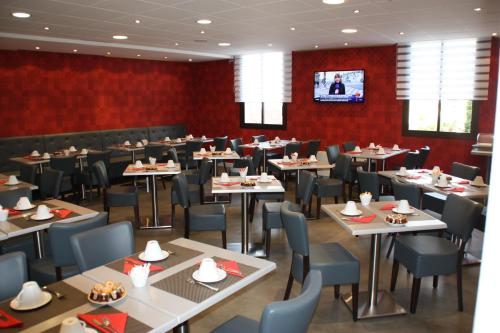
[456,189]
[288,163]
[463,182]
[118,321]
[354,152]
[10,322]
[62,213]
[13,212]
[129,263]
[228,184]
[388,206]
[365,219]
[3,181]
[136,169]
[231,267]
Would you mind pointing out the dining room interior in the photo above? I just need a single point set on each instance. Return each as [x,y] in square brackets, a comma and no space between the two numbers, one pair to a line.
[248,166]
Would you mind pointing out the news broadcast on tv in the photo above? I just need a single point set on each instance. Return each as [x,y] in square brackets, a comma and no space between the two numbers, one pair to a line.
[339,86]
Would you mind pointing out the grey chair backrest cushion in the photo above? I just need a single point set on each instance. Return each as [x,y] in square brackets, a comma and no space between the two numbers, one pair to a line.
[172,155]
[247,162]
[181,189]
[99,169]
[10,198]
[16,147]
[257,156]
[306,186]
[235,145]
[342,169]
[292,147]
[464,171]
[220,143]
[50,183]
[369,182]
[27,173]
[99,246]
[312,147]
[295,315]
[64,163]
[461,215]
[406,191]
[60,233]
[349,146]
[13,273]
[155,151]
[296,229]
[157,133]
[104,156]
[332,152]
[412,159]
[88,140]
[119,136]
[424,153]
[206,166]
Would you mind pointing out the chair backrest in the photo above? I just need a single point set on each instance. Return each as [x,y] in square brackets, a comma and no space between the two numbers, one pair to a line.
[220,143]
[172,155]
[332,152]
[50,183]
[306,186]
[257,156]
[102,245]
[94,156]
[13,273]
[260,138]
[192,146]
[205,170]
[235,145]
[342,169]
[461,215]
[312,147]
[27,173]
[101,173]
[349,146]
[424,153]
[247,161]
[10,198]
[295,315]
[412,159]
[60,233]
[464,171]
[181,189]
[154,150]
[296,229]
[64,163]
[369,182]
[292,147]
[406,191]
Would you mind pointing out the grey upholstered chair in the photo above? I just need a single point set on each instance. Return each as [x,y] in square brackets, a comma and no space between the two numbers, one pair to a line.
[349,146]
[172,155]
[191,146]
[27,173]
[271,211]
[464,171]
[244,162]
[424,153]
[312,147]
[292,316]
[62,263]
[155,151]
[67,165]
[412,160]
[13,273]
[257,157]
[425,255]
[9,199]
[235,145]
[370,182]
[50,183]
[202,217]
[118,196]
[88,177]
[220,143]
[102,245]
[292,147]
[337,265]
[260,138]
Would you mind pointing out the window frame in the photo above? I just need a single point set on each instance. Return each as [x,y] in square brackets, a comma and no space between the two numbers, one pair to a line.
[243,124]
[437,134]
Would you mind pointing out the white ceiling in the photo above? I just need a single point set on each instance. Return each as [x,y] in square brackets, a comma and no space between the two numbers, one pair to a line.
[249,25]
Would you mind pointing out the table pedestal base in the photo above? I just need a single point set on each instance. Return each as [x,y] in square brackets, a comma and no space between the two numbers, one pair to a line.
[254,249]
[386,305]
[162,223]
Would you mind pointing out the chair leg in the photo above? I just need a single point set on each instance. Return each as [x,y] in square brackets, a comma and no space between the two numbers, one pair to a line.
[355,295]
[415,289]
[337,291]
[391,246]
[58,273]
[289,285]
[251,208]
[435,280]
[172,215]
[459,288]
[137,216]
[318,206]
[394,276]
[268,243]
[163,183]
[224,239]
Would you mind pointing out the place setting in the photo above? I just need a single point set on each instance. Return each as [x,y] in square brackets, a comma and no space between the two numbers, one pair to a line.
[10,181]
[353,214]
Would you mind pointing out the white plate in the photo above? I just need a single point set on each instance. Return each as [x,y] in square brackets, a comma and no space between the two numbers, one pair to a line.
[397,211]
[395,225]
[36,218]
[402,174]
[90,330]
[440,186]
[222,276]
[269,180]
[109,302]
[47,297]
[142,256]
[21,209]
[343,212]
[12,184]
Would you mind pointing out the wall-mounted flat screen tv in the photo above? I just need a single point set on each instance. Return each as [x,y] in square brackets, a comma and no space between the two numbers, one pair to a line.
[339,86]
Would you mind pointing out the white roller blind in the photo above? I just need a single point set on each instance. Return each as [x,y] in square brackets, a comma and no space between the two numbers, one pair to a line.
[265,77]
[454,69]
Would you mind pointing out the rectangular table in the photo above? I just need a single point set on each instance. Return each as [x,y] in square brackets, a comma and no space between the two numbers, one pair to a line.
[4,187]
[215,156]
[182,141]
[168,292]
[151,172]
[300,164]
[375,302]
[266,145]
[132,149]
[371,154]
[18,225]
[234,186]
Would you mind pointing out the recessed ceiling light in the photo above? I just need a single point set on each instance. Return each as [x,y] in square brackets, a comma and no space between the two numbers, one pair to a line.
[292,28]
[316,46]
[121,37]
[224,44]
[346,44]
[21,14]
[494,34]
[165,57]
[202,32]
[138,55]
[401,33]
[176,44]
[137,21]
[270,44]
[46,28]
[108,53]
[204,21]
[349,31]
[478,9]
[333,2]
[75,50]
[190,59]
[356,11]
[37,47]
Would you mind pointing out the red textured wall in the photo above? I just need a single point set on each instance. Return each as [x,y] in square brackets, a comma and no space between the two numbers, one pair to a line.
[379,119]
[51,93]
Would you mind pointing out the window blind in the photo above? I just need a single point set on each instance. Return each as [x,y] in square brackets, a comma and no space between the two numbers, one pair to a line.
[453,69]
[265,77]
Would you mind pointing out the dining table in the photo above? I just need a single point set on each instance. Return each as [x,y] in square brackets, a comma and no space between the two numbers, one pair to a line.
[266,146]
[372,154]
[376,302]
[181,142]
[245,186]
[4,186]
[216,156]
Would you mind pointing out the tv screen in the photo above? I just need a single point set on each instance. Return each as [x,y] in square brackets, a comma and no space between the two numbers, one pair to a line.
[339,86]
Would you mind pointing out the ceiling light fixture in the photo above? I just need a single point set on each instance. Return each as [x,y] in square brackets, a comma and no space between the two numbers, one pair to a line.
[46,28]
[120,37]
[224,44]
[356,11]
[292,28]
[108,53]
[202,32]
[190,59]
[346,43]
[401,33]
[316,46]
[138,55]
[494,34]
[204,21]
[37,47]
[137,21]
[75,50]
[165,57]
[349,31]
[478,9]
[270,44]
[21,14]
[333,2]
[176,44]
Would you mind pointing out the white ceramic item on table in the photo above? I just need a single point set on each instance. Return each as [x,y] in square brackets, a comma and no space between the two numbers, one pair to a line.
[138,164]
[402,171]
[295,156]
[478,181]
[30,297]
[139,275]
[264,178]
[277,139]
[35,153]
[24,204]
[350,209]
[203,137]
[139,144]
[42,213]
[46,156]
[365,198]
[4,214]
[286,158]
[212,149]
[357,149]
[256,142]
[395,147]
[152,161]
[72,149]
[372,145]
[294,140]
[145,142]
[66,152]
[84,151]
[178,140]
[153,252]
[224,177]
[208,272]
[126,143]
[381,151]
[203,150]
[228,151]
[403,208]
[12,180]
[73,325]
[312,158]
[167,138]
[442,181]
[170,164]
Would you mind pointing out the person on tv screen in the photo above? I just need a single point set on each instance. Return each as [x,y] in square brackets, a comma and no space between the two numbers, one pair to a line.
[337,87]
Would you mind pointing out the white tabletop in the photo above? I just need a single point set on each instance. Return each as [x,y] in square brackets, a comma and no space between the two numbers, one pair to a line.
[218,155]
[267,145]
[274,186]
[40,160]
[372,153]
[415,223]
[128,148]
[300,164]
[148,170]
[175,306]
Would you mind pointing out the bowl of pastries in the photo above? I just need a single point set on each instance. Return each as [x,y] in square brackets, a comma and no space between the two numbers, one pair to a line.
[108,293]
[248,183]
[396,220]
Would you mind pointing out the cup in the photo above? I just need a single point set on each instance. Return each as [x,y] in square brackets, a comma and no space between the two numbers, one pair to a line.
[404,206]
[72,149]
[365,198]
[312,158]
[277,139]
[295,156]
[478,181]
[35,153]
[286,158]
[243,172]
[46,156]
[203,137]
[84,151]
[144,142]
[178,140]
[350,207]
[153,251]
[442,180]
[381,150]
[126,143]
[264,177]
[30,294]
[170,164]
[357,149]
[66,152]
[228,151]
[212,149]
[23,203]
[166,138]
[372,145]
[72,325]
[138,164]
[224,177]
[402,171]
[139,275]
[42,212]
[203,151]
[294,140]
[152,160]
[395,147]
[4,215]
[12,180]
[139,144]
[208,269]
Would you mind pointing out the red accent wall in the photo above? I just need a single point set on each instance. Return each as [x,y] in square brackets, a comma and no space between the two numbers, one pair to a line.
[379,119]
[52,92]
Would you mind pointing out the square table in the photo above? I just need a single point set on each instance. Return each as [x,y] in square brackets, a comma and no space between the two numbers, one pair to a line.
[267,145]
[375,302]
[151,171]
[18,225]
[372,154]
[167,292]
[234,186]
[182,141]
[215,156]
[132,149]
[4,187]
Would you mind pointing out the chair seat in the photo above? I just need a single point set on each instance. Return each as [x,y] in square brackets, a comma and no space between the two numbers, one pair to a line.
[337,265]
[271,217]
[270,196]
[122,196]
[328,187]
[44,272]
[426,255]
[207,217]
[238,324]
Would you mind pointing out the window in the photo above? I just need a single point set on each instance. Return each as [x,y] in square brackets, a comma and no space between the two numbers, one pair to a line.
[440,82]
[263,87]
